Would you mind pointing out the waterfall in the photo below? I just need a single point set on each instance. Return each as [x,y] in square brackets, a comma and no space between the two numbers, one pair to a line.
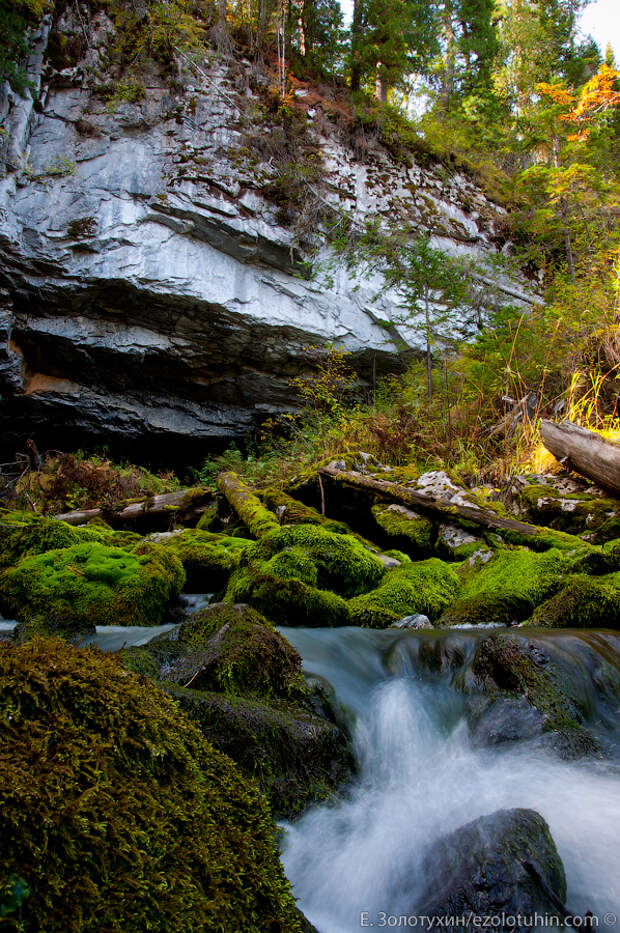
[421,777]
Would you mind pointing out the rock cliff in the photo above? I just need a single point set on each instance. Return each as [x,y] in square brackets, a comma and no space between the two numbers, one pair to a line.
[154,266]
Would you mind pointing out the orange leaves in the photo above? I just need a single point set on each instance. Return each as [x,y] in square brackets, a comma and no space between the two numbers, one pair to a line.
[557,93]
[596,97]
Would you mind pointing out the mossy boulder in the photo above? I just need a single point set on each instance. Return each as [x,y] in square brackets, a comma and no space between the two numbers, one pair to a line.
[504,665]
[596,561]
[425,587]
[24,533]
[76,588]
[583,602]
[234,650]
[343,564]
[208,559]
[300,574]
[295,756]
[404,529]
[117,813]
[508,588]
[287,601]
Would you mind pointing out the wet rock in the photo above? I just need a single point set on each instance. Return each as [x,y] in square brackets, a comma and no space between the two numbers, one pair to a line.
[503,720]
[416,621]
[502,864]
[295,755]
[241,681]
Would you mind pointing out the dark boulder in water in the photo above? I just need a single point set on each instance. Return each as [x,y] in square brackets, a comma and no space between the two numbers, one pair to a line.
[498,866]
[503,719]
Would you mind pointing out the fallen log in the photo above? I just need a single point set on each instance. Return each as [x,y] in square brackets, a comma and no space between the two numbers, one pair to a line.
[258,519]
[186,503]
[584,452]
[511,529]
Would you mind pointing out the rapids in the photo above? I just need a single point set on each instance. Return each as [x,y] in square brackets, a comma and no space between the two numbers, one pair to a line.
[421,777]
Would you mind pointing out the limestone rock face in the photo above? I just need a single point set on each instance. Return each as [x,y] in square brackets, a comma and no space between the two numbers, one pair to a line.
[152,289]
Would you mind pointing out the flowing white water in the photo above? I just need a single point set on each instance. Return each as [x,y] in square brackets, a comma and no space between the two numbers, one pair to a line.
[420,778]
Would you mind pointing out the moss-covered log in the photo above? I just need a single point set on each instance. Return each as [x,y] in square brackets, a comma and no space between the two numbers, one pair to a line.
[510,529]
[257,519]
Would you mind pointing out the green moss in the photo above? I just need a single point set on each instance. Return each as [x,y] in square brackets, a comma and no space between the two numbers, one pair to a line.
[398,555]
[508,587]
[208,559]
[597,560]
[426,587]
[293,563]
[343,564]
[291,511]
[127,539]
[235,650]
[208,520]
[24,533]
[573,512]
[248,507]
[76,588]
[507,665]
[287,602]
[118,814]
[583,603]
[296,757]
[410,530]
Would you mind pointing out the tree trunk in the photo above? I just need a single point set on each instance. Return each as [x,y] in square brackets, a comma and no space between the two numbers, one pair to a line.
[185,503]
[356,37]
[567,241]
[584,452]
[381,86]
[258,519]
[429,355]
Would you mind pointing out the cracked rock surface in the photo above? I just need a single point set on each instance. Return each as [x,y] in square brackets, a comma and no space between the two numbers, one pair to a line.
[150,291]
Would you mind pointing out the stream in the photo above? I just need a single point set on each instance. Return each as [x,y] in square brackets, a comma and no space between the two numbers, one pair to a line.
[421,777]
